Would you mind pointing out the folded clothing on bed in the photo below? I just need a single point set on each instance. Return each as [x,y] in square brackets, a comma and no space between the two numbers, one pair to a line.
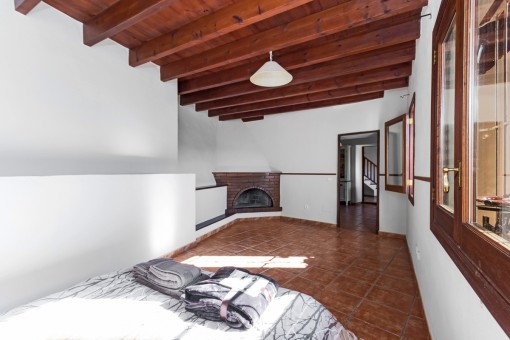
[179,275]
[173,274]
[233,295]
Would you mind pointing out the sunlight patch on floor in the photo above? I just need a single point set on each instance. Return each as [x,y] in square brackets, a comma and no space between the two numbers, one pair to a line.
[248,261]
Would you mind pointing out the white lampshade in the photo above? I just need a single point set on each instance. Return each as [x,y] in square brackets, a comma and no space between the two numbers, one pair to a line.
[271,74]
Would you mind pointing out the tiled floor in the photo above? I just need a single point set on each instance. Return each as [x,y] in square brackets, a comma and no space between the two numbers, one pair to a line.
[362,217]
[367,281]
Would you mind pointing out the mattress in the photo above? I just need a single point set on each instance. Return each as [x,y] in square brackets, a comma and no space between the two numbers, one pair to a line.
[114,306]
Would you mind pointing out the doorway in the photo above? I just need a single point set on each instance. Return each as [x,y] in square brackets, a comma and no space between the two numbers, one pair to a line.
[358,181]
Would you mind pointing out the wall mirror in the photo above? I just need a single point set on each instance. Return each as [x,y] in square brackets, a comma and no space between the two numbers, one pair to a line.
[395,151]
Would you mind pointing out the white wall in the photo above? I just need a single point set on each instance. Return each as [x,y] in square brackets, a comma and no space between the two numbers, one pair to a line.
[453,309]
[59,230]
[70,109]
[197,145]
[210,203]
[309,197]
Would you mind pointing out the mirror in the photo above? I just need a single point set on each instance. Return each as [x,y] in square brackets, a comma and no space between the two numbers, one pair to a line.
[395,166]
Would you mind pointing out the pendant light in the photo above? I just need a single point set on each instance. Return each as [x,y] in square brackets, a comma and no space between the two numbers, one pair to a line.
[271,74]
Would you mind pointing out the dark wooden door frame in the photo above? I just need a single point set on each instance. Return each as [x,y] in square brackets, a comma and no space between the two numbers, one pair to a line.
[378,134]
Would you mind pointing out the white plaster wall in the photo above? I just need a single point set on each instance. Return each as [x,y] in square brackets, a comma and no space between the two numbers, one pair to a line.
[59,230]
[309,197]
[453,309]
[306,142]
[210,203]
[241,149]
[197,145]
[71,109]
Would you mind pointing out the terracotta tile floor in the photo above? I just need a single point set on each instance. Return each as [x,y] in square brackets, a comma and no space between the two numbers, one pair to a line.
[362,217]
[367,281]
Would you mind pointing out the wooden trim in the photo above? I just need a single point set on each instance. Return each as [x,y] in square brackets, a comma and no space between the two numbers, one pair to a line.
[391,187]
[392,235]
[118,17]
[309,173]
[210,221]
[209,187]
[252,119]
[423,179]
[308,222]
[411,134]
[25,6]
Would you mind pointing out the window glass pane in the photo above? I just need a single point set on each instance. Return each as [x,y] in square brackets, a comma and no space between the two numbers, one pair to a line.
[489,118]
[447,132]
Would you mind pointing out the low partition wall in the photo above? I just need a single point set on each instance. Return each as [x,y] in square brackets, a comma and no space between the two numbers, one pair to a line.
[211,202]
[59,230]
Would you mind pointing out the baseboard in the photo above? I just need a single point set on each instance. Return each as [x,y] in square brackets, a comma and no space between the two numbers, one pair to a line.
[392,235]
[309,222]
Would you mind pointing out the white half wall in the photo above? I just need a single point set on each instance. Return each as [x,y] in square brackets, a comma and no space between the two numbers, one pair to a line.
[210,203]
[453,309]
[59,230]
[71,109]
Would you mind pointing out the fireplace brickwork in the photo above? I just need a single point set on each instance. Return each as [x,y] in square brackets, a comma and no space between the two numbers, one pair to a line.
[238,182]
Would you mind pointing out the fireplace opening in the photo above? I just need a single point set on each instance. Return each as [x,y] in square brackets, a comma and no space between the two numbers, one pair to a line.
[253,198]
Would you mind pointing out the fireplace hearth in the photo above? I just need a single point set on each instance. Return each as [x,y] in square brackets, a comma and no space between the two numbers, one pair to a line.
[250,191]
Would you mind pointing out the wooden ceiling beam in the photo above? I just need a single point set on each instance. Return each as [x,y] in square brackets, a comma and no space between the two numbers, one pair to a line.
[217,24]
[344,47]
[335,19]
[313,97]
[252,119]
[370,76]
[119,17]
[25,6]
[371,60]
[300,107]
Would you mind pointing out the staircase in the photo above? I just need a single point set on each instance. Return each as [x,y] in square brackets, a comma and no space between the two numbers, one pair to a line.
[370,175]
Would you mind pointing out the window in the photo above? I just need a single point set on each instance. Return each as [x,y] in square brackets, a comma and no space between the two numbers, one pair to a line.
[470,196]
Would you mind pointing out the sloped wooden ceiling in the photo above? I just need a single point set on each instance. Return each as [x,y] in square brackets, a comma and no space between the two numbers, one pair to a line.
[338,51]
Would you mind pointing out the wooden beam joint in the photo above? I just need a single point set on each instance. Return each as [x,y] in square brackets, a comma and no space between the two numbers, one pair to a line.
[25,6]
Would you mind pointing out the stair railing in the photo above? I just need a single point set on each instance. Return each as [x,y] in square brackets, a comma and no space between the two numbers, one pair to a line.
[370,170]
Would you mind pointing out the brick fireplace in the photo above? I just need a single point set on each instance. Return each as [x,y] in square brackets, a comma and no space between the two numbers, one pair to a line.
[250,191]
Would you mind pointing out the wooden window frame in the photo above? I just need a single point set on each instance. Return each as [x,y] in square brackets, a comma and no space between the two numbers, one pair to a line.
[484,263]
[411,133]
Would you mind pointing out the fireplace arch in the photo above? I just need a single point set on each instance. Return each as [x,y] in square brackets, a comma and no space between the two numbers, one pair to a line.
[253,197]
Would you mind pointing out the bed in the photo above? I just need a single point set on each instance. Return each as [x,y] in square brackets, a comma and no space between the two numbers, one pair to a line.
[114,306]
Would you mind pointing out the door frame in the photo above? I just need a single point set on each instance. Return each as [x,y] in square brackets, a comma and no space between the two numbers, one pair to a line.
[378,138]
